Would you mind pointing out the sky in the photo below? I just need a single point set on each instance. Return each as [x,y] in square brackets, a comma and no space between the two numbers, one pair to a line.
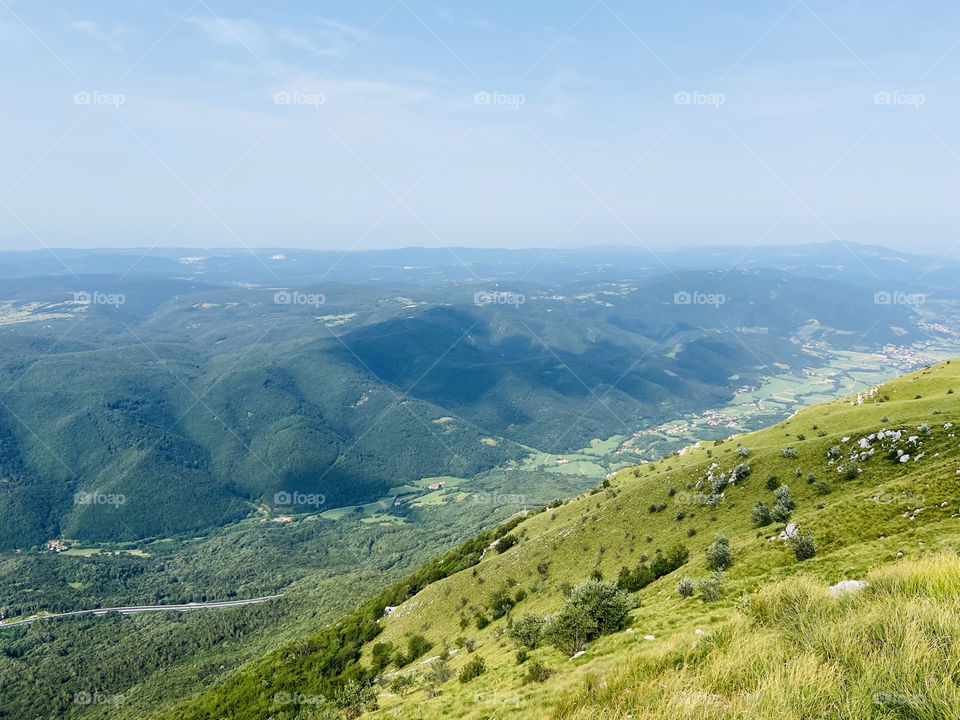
[390,123]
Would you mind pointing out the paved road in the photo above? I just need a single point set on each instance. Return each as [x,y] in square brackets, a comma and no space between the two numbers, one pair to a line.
[133,609]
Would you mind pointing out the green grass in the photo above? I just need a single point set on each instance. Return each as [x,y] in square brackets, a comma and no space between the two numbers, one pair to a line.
[776,645]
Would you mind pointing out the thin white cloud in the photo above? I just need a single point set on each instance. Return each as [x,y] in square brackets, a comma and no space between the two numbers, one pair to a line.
[452,16]
[327,37]
[111,37]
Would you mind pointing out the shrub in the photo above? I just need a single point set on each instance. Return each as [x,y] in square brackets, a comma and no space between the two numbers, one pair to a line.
[772,482]
[522,656]
[686,587]
[527,630]
[718,485]
[417,647]
[710,587]
[789,452]
[762,515]
[780,514]
[803,545]
[506,542]
[594,608]
[743,452]
[500,604]
[782,494]
[740,472]
[481,621]
[835,452]
[440,670]
[473,669]
[401,684]
[719,555]
[354,699]
[382,656]
[537,672]
[822,487]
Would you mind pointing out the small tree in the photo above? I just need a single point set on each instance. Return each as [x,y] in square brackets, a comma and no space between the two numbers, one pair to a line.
[473,669]
[686,587]
[803,545]
[438,673]
[782,494]
[402,684]
[382,656]
[710,587]
[719,556]
[527,630]
[500,604]
[762,515]
[593,608]
[537,672]
[417,647]
[354,699]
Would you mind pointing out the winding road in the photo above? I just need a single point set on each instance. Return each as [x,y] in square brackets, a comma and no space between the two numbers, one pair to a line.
[134,609]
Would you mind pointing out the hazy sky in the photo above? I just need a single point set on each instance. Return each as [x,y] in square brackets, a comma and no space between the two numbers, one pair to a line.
[398,122]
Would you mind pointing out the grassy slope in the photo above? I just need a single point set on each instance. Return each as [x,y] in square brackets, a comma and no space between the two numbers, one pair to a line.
[745,652]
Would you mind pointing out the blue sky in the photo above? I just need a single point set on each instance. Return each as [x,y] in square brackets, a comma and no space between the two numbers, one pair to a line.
[393,123]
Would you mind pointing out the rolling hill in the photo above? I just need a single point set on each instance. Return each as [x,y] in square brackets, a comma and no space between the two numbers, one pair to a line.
[696,586]
[197,403]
